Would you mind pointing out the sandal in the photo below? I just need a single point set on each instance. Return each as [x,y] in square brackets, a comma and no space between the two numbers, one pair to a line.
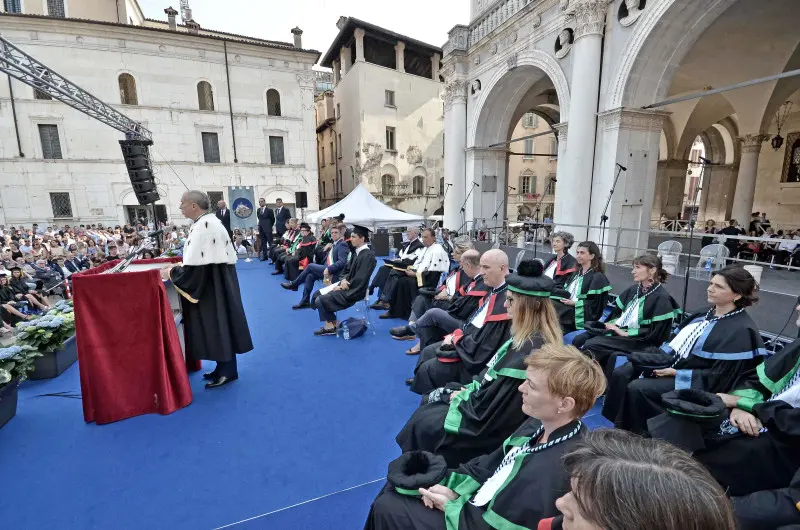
[412,351]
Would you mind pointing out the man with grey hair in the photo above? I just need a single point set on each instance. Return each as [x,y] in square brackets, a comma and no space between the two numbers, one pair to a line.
[214,323]
[224,215]
[406,256]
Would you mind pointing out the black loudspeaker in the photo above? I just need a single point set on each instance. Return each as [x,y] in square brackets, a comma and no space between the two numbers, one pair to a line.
[136,154]
[300,199]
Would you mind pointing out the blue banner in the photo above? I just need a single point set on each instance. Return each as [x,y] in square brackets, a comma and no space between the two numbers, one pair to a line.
[242,205]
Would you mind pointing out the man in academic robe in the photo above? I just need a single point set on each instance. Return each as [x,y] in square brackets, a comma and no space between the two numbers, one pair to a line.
[352,288]
[291,238]
[335,262]
[282,216]
[426,271]
[409,251]
[303,254]
[215,326]
[465,352]
[266,220]
[324,241]
[224,215]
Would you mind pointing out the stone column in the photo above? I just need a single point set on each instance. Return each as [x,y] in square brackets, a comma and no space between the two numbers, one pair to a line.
[400,56]
[746,182]
[435,66]
[337,73]
[561,130]
[359,34]
[718,189]
[345,55]
[571,207]
[669,188]
[455,123]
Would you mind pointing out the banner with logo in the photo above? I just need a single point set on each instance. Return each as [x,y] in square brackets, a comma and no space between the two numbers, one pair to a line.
[242,205]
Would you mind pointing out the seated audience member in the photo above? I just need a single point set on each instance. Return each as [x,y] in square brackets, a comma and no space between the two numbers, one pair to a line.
[711,352]
[642,316]
[517,485]
[113,252]
[465,352]
[303,255]
[401,287]
[438,322]
[786,251]
[624,482]
[334,264]
[23,292]
[587,288]
[710,229]
[284,252]
[74,263]
[460,423]
[60,267]
[453,285]
[325,240]
[407,255]
[286,240]
[732,229]
[352,288]
[9,305]
[562,266]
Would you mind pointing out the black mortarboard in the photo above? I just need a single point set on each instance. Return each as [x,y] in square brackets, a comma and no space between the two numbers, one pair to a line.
[305,225]
[362,231]
[340,217]
[414,470]
[14,267]
[690,414]
[530,280]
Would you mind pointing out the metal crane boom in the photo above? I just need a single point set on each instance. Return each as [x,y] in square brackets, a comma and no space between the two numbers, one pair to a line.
[30,71]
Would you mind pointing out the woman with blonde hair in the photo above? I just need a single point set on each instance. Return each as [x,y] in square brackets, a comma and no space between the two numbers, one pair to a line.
[460,422]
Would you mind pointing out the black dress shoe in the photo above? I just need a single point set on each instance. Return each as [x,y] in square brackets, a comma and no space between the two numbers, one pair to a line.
[210,376]
[277,272]
[302,305]
[402,332]
[221,381]
[410,381]
[385,316]
[289,286]
[323,331]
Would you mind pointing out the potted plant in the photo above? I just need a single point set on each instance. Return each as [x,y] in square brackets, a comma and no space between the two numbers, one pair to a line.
[16,362]
[52,335]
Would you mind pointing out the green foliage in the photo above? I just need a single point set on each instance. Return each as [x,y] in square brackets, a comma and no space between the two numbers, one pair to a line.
[49,332]
[16,362]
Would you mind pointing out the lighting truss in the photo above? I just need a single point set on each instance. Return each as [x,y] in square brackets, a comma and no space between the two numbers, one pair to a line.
[21,66]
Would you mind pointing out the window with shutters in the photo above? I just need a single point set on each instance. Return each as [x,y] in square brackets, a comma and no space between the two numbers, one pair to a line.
[418,185]
[324,193]
[333,153]
[387,181]
[51,145]
[62,207]
[276,157]
[553,149]
[528,149]
[205,96]
[210,148]
[13,6]
[339,146]
[127,90]
[322,156]
[38,94]
[55,8]
[340,182]
[525,184]
[792,173]
[214,197]
[531,120]
[441,186]
[273,102]
[390,139]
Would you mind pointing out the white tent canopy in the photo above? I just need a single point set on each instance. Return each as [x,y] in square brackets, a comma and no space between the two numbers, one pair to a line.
[361,208]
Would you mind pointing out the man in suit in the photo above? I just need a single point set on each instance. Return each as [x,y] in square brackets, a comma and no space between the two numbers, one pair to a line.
[266,220]
[75,264]
[224,215]
[282,215]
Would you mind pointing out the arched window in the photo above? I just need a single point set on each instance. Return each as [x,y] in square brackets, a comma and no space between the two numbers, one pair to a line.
[127,90]
[794,163]
[387,183]
[441,186]
[418,185]
[273,102]
[205,96]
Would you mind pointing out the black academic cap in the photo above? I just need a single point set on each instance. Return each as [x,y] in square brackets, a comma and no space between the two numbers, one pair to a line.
[305,225]
[340,217]
[414,470]
[530,280]
[362,231]
[690,415]
[14,267]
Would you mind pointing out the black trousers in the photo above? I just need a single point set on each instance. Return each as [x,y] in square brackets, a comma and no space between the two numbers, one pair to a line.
[227,368]
[266,242]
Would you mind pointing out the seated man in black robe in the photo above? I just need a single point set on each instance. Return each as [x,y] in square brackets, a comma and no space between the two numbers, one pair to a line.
[284,253]
[460,423]
[517,485]
[325,241]
[465,352]
[303,254]
[352,288]
[287,240]
[407,255]
[453,285]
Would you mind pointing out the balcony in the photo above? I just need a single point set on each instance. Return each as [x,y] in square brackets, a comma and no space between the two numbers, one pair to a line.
[498,14]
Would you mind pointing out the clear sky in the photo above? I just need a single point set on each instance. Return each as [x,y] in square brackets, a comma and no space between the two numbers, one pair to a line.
[424,20]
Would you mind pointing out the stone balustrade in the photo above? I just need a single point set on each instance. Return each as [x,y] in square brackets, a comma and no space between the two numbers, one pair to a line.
[497,15]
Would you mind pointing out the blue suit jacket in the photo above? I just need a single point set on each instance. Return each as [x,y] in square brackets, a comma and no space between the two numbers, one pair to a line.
[341,251]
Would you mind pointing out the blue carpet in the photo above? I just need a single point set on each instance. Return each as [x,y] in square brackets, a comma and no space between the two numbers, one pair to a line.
[309,416]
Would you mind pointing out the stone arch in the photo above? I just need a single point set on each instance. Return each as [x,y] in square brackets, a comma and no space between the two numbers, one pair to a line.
[727,141]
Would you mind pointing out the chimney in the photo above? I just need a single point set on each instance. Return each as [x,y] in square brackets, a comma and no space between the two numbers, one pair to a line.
[298,37]
[171,14]
[192,27]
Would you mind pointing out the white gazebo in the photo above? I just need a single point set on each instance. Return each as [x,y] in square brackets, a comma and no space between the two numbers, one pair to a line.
[361,208]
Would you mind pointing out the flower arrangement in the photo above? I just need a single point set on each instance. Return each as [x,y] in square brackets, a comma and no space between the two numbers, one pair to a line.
[16,362]
[48,333]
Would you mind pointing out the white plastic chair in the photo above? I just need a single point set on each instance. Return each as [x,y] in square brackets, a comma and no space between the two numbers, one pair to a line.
[670,253]
[718,256]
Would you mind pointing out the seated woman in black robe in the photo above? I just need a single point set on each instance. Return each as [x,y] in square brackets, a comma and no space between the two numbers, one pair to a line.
[461,422]
[587,288]
[712,351]
[563,265]
[9,305]
[23,292]
[517,485]
[642,316]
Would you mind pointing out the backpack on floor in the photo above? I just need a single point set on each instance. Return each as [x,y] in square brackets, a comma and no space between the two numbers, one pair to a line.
[352,328]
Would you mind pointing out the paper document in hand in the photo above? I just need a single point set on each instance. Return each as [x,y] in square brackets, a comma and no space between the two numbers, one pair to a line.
[326,290]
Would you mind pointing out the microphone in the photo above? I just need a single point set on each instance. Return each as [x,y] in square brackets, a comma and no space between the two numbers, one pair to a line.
[478,185]
[553,179]
[156,233]
[706,161]
[623,168]
[512,188]
[449,184]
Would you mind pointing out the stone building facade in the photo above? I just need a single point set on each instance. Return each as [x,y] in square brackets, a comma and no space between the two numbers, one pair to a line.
[224,110]
[532,170]
[388,124]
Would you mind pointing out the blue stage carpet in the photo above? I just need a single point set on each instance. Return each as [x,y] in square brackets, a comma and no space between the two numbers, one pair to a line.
[309,416]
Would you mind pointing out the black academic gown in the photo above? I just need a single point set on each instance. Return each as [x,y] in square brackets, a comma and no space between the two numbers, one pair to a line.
[7,297]
[474,345]
[423,302]
[479,418]
[407,289]
[461,308]
[654,326]
[728,350]
[527,496]
[563,270]
[770,509]
[592,299]
[405,250]
[303,257]
[358,275]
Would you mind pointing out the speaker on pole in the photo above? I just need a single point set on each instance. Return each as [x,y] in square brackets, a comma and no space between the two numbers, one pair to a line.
[300,199]
[136,154]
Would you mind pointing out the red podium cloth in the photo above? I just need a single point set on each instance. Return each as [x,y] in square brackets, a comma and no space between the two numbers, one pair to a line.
[129,352]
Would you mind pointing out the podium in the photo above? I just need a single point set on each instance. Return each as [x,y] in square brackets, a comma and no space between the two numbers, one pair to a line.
[129,350]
